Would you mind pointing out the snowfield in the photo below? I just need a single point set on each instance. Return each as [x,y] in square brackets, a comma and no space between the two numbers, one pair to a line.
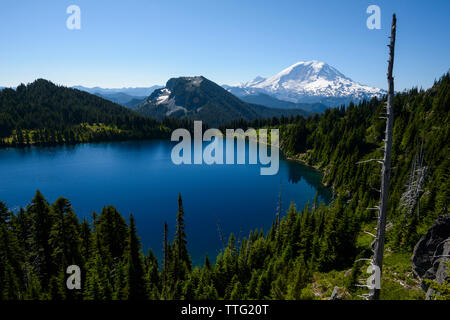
[306,79]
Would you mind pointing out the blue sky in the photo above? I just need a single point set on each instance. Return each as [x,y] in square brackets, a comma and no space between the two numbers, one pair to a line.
[142,43]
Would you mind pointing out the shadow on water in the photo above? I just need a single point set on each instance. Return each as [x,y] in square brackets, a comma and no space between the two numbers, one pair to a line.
[298,172]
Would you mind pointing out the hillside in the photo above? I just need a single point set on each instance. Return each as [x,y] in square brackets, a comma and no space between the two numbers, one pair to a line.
[269,101]
[43,113]
[337,143]
[340,138]
[120,98]
[197,98]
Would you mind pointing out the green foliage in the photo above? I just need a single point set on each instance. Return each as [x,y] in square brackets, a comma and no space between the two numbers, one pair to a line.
[42,113]
[114,267]
[305,254]
[136,286]
[441,291]
[339,139]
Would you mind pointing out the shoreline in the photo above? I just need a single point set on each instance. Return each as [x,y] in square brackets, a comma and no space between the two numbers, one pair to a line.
[296,158]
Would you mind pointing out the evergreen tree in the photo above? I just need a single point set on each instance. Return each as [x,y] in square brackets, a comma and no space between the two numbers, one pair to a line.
[112,232]
[136,280]
[41,255]
[65,243]
[11,259]
[183,260]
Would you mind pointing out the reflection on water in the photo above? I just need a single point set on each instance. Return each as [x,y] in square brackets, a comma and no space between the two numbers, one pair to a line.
[298,171]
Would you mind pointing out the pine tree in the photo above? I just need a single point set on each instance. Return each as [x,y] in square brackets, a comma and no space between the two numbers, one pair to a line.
[153,278]
[60,232]
[180,249]
[166,253]
[136,279]
[207,263]
[41,258]
[98,280]
[22,226]
[238,292]
[112,232]
[85,235]
[11,259]
[65,242]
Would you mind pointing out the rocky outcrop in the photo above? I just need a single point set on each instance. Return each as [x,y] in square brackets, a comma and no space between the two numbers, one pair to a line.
[339,293]
[432,252]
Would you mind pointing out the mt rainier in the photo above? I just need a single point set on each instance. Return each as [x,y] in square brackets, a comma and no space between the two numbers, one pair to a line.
[307,82]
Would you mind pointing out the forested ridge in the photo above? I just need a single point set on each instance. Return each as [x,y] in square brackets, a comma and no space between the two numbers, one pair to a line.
[42,113]
[306,252]
[341,141]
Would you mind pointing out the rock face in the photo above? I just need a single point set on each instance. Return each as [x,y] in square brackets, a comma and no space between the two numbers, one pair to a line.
[197,98]
[335,295]
[432,252]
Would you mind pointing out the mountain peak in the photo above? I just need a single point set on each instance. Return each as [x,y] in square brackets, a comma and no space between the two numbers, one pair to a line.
[308,71]
[312,63]
[310,81]
[255,81]
[198,98]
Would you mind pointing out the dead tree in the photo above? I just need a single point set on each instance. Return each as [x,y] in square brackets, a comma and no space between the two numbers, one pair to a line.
[410,198]
[386,169]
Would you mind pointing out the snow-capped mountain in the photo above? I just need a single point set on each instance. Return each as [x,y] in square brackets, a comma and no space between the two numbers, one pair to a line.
[308,82]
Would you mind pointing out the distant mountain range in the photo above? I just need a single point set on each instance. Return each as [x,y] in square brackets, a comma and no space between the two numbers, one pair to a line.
[137,92]
[305,82]
[309,85]
[128,97]
[122,98]
[198,98]
[304,88]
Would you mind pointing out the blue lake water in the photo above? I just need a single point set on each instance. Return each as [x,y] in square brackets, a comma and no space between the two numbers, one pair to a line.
[140,178]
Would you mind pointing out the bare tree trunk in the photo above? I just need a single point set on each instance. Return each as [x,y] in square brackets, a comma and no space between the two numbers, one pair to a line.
[386,169]
[410,199]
